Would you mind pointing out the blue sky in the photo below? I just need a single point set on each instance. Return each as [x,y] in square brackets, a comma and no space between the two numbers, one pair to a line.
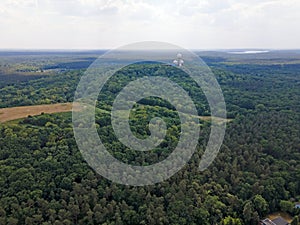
[194,24]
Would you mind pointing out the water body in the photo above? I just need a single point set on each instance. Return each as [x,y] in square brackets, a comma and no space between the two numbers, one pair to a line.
[250,52]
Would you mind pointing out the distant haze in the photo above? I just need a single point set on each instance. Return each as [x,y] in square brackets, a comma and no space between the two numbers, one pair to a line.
[194,24]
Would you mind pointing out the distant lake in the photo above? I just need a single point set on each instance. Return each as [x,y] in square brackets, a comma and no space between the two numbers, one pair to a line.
[249,52]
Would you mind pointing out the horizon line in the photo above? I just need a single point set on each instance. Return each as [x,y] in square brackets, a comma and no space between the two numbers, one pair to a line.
[108,49]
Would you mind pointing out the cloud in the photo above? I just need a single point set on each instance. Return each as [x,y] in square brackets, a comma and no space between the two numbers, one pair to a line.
[190,23]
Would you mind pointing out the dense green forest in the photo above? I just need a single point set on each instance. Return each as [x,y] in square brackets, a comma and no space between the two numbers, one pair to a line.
[45,180]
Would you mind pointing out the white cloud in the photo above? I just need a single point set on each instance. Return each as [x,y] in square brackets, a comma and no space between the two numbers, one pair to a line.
[111,23]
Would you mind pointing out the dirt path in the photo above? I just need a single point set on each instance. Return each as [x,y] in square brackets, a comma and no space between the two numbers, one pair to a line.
[8,114]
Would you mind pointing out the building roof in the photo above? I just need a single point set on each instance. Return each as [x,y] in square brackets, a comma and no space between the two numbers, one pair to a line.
[280,221]
[267,222]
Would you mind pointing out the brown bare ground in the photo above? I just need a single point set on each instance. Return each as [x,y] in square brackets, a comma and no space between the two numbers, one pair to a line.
[8,114]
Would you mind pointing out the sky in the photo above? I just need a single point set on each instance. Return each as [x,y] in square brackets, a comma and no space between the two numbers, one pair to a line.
[107,24]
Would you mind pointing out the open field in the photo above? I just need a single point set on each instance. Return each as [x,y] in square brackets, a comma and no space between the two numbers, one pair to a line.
[8,114]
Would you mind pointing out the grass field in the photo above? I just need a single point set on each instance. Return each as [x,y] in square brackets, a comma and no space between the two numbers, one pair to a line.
[8,114]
